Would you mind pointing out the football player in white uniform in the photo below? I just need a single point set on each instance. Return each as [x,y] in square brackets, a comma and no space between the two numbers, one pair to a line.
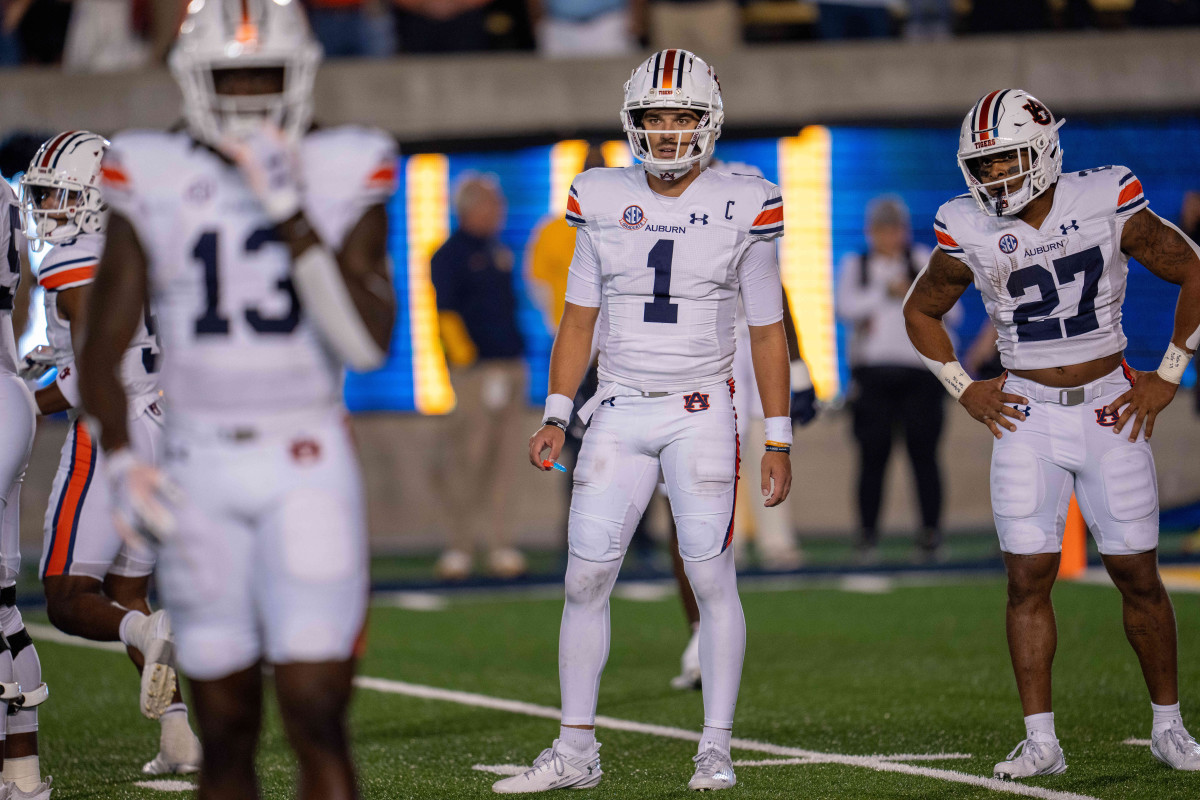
[96,586]
[664,249]
[21,684]
[1049,251]
[262,244]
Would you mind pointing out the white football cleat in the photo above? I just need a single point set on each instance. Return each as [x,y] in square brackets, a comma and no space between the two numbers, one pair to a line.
[1037,758]
[1176,748]
[555,769]
[714,770]
[689,665]
[158,674]
[39,792]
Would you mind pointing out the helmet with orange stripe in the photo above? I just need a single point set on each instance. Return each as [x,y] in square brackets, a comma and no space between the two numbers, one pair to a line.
[1008,150]
[60,191]
[241,63]
[673,80]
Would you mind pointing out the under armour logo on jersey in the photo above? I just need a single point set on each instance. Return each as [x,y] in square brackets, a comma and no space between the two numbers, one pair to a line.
[1106,418]
[695,402]
[1074,226]
[703,218]
[611,402]
[1024,410]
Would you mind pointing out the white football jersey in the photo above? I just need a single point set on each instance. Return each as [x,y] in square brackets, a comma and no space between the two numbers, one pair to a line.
[12,241]
[668,271]
[235,336]
[1054,293]
[71,264]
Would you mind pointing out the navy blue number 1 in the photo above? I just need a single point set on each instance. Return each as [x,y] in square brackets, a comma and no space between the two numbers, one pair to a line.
[662,309]
[211,322]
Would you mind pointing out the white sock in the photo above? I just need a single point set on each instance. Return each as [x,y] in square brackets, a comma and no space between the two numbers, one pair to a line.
[577,740]
[1040,727]
[583,637]
[718,737]
[25,772]
[722,636]
[131,638]
[1165,717]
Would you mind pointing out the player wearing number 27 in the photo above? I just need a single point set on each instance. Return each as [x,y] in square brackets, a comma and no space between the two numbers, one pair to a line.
[664,249]
[262,244]
[1050,252]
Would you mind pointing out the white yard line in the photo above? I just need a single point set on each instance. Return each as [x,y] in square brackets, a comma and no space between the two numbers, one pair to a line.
[877,763]
[167,786]
[1137,742]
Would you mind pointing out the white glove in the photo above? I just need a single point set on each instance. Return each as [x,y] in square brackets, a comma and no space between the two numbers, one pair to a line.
[36,363]
[142,497]
[271,165]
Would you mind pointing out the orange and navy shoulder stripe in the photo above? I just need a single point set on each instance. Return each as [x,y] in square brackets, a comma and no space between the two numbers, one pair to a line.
[74,272]
[944,239]
[72,496]
[770,219]
[1131,197]
[383,176]
[574,212]
[113,177]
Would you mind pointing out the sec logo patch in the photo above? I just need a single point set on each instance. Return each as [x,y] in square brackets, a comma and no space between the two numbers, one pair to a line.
[1008,243]
[633,218]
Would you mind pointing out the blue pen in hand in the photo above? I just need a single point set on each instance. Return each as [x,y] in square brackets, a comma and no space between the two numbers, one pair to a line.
[547,463]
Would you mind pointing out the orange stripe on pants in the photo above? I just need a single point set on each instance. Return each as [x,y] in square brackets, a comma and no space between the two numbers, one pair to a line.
[82,459]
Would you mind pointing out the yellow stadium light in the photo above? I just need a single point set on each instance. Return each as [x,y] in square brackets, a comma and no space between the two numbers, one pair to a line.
[428,227]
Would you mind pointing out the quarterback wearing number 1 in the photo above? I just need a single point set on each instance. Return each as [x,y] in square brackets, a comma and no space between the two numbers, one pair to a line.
[664,248]
[1049,251]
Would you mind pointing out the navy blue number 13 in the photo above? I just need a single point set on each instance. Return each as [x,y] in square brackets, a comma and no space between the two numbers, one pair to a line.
[662,309]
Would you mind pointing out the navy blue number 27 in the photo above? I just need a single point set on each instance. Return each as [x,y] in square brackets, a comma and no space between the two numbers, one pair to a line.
[1091,263]
[662,309]
[211,321]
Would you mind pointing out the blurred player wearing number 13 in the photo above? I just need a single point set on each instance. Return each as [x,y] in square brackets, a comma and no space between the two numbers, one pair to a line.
[663,251]
[262,245]
[1050,252]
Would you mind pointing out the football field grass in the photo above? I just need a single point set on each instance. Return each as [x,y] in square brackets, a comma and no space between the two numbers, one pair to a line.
[873,689]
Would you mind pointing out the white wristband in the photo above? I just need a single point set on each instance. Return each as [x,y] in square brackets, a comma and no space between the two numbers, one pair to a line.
[778,429]
[558,406]
[1174,362]
[955,379]
[801,379]
[119,462]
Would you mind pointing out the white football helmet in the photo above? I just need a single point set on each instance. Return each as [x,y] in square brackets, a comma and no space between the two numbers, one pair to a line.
[221,35]
[60,191]
[673,79]
[1004,120]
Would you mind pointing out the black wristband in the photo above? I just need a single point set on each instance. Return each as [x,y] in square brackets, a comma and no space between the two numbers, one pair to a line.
[773,448]
[556,422]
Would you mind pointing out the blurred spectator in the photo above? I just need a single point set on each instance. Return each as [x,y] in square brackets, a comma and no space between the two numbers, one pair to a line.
[891,386]
[930,19]
[477,311]
[581,28]
[708,28]
[855,19]
[441,26]
[351,28]
[41,29]
[101,37]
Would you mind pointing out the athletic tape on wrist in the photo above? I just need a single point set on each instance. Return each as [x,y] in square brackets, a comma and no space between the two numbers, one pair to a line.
[778,430]
[558,406]
[1174,362]
[323,293]
[954,378]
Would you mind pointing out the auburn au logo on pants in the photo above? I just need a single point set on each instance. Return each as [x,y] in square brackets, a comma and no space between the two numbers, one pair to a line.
[696,401]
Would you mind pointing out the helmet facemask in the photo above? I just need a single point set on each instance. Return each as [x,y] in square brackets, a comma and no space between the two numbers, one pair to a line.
[57,206]
[692,146]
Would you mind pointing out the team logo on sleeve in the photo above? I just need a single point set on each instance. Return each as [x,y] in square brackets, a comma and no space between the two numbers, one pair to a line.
[633,218]
[1008,243]
[696,401]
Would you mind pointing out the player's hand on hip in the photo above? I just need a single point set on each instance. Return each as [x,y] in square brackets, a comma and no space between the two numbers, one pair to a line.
[550,436]
[1149,395]
[142,498]
[987,402]
[271,166]
[776,478]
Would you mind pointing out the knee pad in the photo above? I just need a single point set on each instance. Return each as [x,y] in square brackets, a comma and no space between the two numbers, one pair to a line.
[27,671]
